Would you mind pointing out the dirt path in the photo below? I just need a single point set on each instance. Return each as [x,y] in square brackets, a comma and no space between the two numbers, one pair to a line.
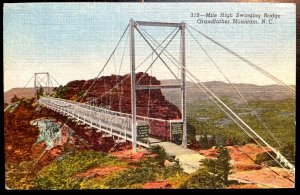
[188,159]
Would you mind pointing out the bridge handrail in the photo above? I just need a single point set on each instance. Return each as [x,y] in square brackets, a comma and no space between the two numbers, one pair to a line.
[121,132]
[110,111]
[80,110]
[81,107]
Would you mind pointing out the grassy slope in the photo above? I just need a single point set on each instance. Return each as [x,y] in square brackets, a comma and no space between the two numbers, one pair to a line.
[61,173]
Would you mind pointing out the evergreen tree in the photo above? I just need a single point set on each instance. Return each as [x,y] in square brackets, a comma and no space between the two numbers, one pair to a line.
[191,131]
[213,169]
[60,92]
[202,179]
[223,164]
[40,91]
[213,174]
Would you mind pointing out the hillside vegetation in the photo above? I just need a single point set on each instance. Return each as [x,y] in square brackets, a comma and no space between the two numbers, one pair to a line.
[93,170]
[215,128]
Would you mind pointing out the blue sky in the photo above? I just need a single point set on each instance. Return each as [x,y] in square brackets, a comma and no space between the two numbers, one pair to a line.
[73,40]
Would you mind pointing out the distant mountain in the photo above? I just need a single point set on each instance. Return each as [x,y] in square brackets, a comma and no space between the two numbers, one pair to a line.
[224,90]
[221,89]
[20,93]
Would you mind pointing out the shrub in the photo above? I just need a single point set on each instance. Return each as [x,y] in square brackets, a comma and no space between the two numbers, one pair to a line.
[58,175]
[202,179]
[140,175]
[212,174]
[40,92]
[130,177]
[263,157]
[161,155]
[61,91]
[20,176]
[178,180]
[288,150]
[148,169]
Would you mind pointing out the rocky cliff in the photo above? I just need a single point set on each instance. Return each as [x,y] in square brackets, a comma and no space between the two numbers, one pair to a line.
[114,93]
[151,103]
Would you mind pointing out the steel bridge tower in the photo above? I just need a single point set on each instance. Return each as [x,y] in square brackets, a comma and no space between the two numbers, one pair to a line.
[38,81]
[134,87]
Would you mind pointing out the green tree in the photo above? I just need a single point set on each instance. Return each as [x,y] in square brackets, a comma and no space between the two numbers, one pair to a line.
[161,154]
[202,179]
[191,131]
[40,92]
[213,173]
[266,158]
[79,95]
[60,92]
[289,152]
[223,163]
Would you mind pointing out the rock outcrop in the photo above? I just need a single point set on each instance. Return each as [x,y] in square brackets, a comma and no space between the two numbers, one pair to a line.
[114,93]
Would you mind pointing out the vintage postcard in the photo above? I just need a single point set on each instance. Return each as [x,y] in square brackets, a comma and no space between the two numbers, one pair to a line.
[149,95]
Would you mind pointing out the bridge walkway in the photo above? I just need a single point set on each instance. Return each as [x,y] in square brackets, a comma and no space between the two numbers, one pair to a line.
[118,124]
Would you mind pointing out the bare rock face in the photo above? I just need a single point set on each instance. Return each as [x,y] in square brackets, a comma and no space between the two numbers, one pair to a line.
[119,98]
[114,93]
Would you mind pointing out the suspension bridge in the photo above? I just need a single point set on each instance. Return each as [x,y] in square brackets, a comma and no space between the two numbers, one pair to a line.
[139,130]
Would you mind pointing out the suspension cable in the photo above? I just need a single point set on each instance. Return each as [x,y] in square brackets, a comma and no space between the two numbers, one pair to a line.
[94,80]
[29,81]
[151,38]
[42,80]
[85,93]
[123,54]
[108,92]
[236,116]
[50,83]
[231,117]
[153,61]
[54,79]
[246,61]
[104,80]
[156,47]
[234,87]
[156,53]
[149,91]
[121,88]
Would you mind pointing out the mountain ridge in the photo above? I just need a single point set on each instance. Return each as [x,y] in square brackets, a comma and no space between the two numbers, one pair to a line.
[250,91]
[224,90]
